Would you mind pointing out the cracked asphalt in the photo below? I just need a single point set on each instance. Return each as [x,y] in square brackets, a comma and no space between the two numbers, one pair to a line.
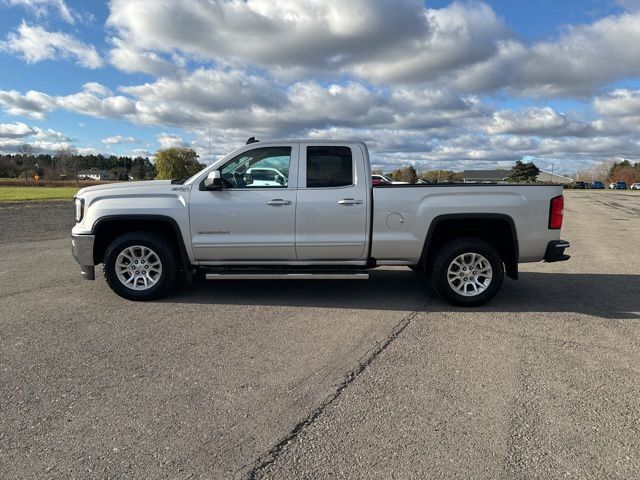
[375,379]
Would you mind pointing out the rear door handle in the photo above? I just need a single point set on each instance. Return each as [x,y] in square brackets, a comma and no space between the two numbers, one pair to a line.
[349,201]
[278,202]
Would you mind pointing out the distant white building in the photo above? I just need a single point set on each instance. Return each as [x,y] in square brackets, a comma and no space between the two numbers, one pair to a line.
[96,175]
[553,178]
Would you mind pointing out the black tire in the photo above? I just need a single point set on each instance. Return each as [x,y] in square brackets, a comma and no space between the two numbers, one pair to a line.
[452,250]
[162,250]
[417,269]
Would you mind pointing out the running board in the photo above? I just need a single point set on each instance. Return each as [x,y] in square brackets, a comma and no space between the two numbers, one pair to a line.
[287,276]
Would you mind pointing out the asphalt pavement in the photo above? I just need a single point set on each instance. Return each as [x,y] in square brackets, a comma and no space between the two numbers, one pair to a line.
[320,379]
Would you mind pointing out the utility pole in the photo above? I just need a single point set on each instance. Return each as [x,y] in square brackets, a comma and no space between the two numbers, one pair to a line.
[210,158]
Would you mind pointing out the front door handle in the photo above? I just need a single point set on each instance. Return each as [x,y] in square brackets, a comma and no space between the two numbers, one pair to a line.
[278,202]
[349,201]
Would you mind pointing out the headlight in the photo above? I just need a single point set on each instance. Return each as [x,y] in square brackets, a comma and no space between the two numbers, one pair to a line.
[79,204]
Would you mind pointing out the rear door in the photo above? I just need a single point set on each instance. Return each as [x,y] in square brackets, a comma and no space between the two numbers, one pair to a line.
[332,203]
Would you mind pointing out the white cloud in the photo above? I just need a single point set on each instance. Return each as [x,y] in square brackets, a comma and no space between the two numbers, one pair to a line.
[140,152]
[118,139]
[36,44]
[464,44]
[167,140]
[97,89]
[333,32]
[621,109]
[457,36]
[36,104]
[86,150]
[406,78]
[538,121]
[98,101]
[233,99]
[31,104]
[619,103]
[50,135]
[584,58]
[15,130]
[41,8]
[128,58]
[13,135]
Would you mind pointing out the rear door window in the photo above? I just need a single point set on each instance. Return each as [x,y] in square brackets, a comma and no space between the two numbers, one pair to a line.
[329,166]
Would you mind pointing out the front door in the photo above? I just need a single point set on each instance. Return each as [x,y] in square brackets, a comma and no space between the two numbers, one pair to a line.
[253,216]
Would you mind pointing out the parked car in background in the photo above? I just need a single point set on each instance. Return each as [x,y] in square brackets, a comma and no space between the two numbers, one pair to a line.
[265,177]
[635,186]
[377,180]
[597,185]
[385,181]
[581,185]
[620,186]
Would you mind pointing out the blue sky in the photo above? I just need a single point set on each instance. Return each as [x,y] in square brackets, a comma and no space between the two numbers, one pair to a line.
[439,84]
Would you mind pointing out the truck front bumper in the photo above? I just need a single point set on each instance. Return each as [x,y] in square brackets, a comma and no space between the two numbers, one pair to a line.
[555,251]
[82,250]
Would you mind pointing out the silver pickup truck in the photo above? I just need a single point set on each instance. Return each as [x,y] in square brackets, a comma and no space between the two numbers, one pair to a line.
[307,210]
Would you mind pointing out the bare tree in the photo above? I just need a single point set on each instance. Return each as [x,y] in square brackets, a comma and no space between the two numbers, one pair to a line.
[584,176]
[75,163]
[27,154]
[67,161]
[601,170]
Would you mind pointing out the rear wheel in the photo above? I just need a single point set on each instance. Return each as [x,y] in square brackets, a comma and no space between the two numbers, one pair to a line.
[467,272]
[140,266]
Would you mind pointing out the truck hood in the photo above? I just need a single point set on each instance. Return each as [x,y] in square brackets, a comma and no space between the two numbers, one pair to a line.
[124,186]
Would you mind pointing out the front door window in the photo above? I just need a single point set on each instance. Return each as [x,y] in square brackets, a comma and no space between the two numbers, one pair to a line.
[266,167]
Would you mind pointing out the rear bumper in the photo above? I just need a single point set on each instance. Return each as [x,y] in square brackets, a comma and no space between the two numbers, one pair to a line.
[555,251]
[82,250]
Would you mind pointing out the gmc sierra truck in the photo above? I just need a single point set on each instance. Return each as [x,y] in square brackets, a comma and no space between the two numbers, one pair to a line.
[308,210]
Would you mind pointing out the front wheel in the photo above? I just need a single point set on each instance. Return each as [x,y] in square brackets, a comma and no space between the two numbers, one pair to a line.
[467,272]
[139,266]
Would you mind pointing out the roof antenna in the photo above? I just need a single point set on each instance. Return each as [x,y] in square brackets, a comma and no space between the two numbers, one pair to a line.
[252,140]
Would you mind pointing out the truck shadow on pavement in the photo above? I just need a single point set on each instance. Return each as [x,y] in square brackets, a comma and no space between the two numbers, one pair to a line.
[601,295]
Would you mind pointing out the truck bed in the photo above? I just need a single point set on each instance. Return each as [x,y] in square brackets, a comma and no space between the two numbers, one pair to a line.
[404,214]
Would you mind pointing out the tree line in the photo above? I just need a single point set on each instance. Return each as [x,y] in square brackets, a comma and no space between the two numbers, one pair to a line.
[174,163]
[67,164]
[520,173]
[411,175]
[624,171]
[526,172]
[611,172]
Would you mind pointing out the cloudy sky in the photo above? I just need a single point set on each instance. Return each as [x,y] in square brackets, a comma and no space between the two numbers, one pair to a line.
[436,84]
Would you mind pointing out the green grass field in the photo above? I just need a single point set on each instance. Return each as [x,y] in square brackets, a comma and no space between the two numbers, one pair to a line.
[23,194]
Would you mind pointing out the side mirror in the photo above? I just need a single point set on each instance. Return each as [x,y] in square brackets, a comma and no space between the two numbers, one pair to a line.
[213,181]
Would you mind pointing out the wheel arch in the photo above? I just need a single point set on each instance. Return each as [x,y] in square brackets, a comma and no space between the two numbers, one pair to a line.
[108,228]
[498,230]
